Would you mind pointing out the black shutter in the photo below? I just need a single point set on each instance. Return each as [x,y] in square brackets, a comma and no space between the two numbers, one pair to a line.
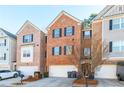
[4,56]
[32,38]
[5,42]
[53,51]
[72,49]
[110,46]
[90,33]
[53,34]
[64,31]
[83,34]
[60,34]
[110,24]
[60,50]
[23,39]
[73,30]
[64,50]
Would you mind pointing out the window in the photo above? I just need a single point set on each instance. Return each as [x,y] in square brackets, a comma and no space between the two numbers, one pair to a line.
[3,56]
[87,34]
[118,46]
[3,42]
[26,53]
[57,33]
[122,23]
[87,52]
[68,50]
[116,24]
[69,31]
[28,38]
[56,51]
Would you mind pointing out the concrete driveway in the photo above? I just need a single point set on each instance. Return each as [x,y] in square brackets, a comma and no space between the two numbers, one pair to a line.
[58,82]
[110,83]
[51,82]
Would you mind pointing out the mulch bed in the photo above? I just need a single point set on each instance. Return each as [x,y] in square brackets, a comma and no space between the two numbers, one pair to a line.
[82,82]
[30,79]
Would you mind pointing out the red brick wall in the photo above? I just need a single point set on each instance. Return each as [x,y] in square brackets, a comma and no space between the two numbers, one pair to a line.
[62,22]
[38,43]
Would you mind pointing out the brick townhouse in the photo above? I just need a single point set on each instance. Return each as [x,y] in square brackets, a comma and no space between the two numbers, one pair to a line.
[31,47]
[108,30]
[64,44]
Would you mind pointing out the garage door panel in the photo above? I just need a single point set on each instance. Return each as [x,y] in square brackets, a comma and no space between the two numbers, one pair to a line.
[60,71]
[106,71]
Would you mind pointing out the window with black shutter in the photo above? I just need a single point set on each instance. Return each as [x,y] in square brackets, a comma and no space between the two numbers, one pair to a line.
[57,33]
[110,46]
[68,31]
[110,24]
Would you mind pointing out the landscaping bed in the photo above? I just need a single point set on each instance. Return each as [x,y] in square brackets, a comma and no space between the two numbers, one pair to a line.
[30,79]
[82,82]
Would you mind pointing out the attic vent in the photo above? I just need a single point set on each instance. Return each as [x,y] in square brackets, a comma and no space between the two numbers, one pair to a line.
[120,8]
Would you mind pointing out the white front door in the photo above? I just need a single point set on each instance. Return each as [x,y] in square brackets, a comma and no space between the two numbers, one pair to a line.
[61,70]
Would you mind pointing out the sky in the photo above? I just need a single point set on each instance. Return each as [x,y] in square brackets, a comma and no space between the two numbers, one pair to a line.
[13,17]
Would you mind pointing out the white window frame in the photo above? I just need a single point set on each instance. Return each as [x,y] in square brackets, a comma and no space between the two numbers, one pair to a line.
[89,52]
[69,50]
[118,44]
[120,24]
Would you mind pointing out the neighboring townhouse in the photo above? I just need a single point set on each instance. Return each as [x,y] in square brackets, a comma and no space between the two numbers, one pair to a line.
[108,31]
[30,49]
[63,45]
[7,50]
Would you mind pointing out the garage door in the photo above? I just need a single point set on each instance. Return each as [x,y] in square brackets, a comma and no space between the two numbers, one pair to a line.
[106,71]
[60,71]
[28,70]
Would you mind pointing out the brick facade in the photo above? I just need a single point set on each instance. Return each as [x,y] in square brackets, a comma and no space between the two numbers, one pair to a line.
[38,46]
[62,22]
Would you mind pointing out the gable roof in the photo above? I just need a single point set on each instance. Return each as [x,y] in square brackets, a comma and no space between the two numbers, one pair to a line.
[60,14]
[25,24]
[8,33]
[103,12]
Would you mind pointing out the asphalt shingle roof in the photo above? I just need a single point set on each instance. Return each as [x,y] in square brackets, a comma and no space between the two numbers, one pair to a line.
[8,33]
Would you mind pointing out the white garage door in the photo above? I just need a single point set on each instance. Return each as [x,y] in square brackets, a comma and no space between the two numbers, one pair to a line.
[28,70]
[106,71]
[60,71]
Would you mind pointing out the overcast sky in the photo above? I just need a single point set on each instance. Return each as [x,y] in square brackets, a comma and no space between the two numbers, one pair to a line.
[13,17]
